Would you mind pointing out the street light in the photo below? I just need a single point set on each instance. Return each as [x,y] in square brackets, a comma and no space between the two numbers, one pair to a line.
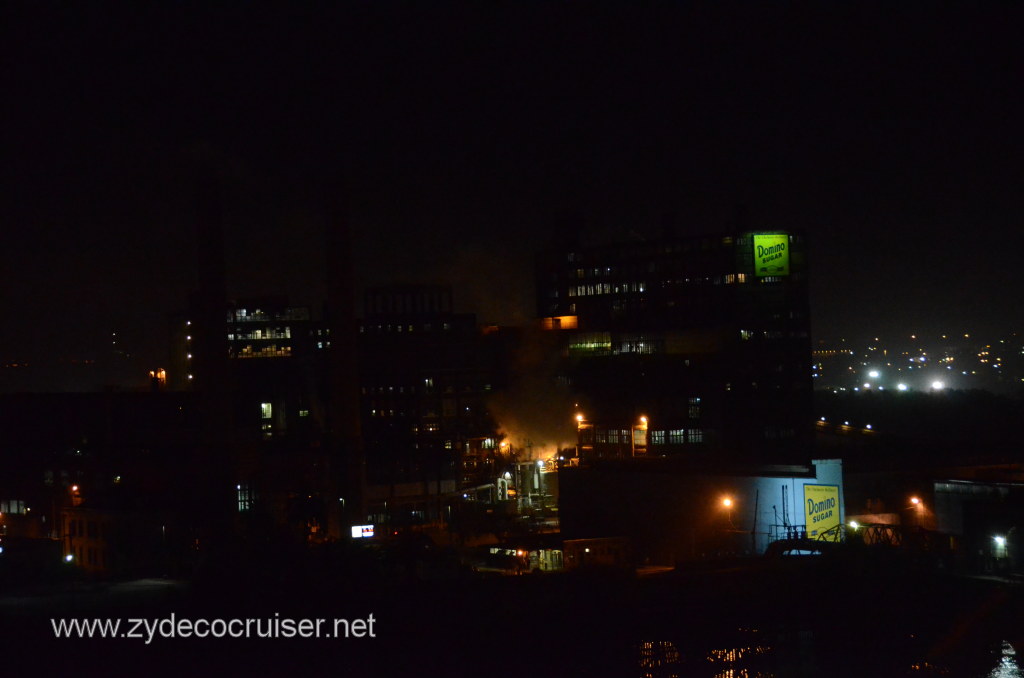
[642,426]
[727,504]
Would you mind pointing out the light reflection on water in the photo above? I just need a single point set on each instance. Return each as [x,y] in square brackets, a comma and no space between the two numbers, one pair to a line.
[755,655]
[1008,666]
[747,659]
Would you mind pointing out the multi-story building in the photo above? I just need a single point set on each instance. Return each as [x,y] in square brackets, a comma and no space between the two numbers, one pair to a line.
[274,351]
[685,344]
[425,375]
[270,404]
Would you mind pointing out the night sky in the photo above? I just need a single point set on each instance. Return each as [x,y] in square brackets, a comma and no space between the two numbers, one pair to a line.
[462,137]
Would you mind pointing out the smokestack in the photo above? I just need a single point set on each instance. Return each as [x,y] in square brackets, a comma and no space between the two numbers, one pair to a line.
[209,304]
[346,461]
[210,473]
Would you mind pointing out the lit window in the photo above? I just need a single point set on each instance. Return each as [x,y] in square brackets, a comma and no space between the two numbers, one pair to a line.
[13,507]
[266,411]
[245,497]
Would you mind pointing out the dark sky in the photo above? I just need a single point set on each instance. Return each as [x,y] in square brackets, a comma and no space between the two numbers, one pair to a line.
[892,135]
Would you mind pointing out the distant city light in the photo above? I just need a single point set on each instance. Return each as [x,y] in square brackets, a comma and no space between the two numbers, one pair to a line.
[726,502]
[1000,541]
[823,418]
[867,426]
[901,387]
[873,374]
[854,524]
[68,558]
[579,418]
[938,385]
[915,501]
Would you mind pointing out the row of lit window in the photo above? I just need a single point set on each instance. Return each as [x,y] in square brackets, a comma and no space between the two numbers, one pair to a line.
[267,411]
[402,327]
[262,333]
[272,351]
[605,288]
[773,334]
[12,507]
[670,437]
[256,315]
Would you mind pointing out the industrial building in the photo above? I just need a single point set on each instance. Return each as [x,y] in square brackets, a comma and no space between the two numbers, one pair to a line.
[685,345]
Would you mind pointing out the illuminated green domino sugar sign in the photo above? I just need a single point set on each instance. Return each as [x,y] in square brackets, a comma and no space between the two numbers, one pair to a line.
[771,254]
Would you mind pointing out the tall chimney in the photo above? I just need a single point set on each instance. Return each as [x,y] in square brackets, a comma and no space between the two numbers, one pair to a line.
[346,459]
[210,473]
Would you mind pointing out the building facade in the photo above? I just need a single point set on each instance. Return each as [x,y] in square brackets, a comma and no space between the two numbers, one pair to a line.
[685,345]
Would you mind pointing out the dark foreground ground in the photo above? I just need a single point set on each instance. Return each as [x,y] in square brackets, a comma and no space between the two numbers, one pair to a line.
[822,620]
